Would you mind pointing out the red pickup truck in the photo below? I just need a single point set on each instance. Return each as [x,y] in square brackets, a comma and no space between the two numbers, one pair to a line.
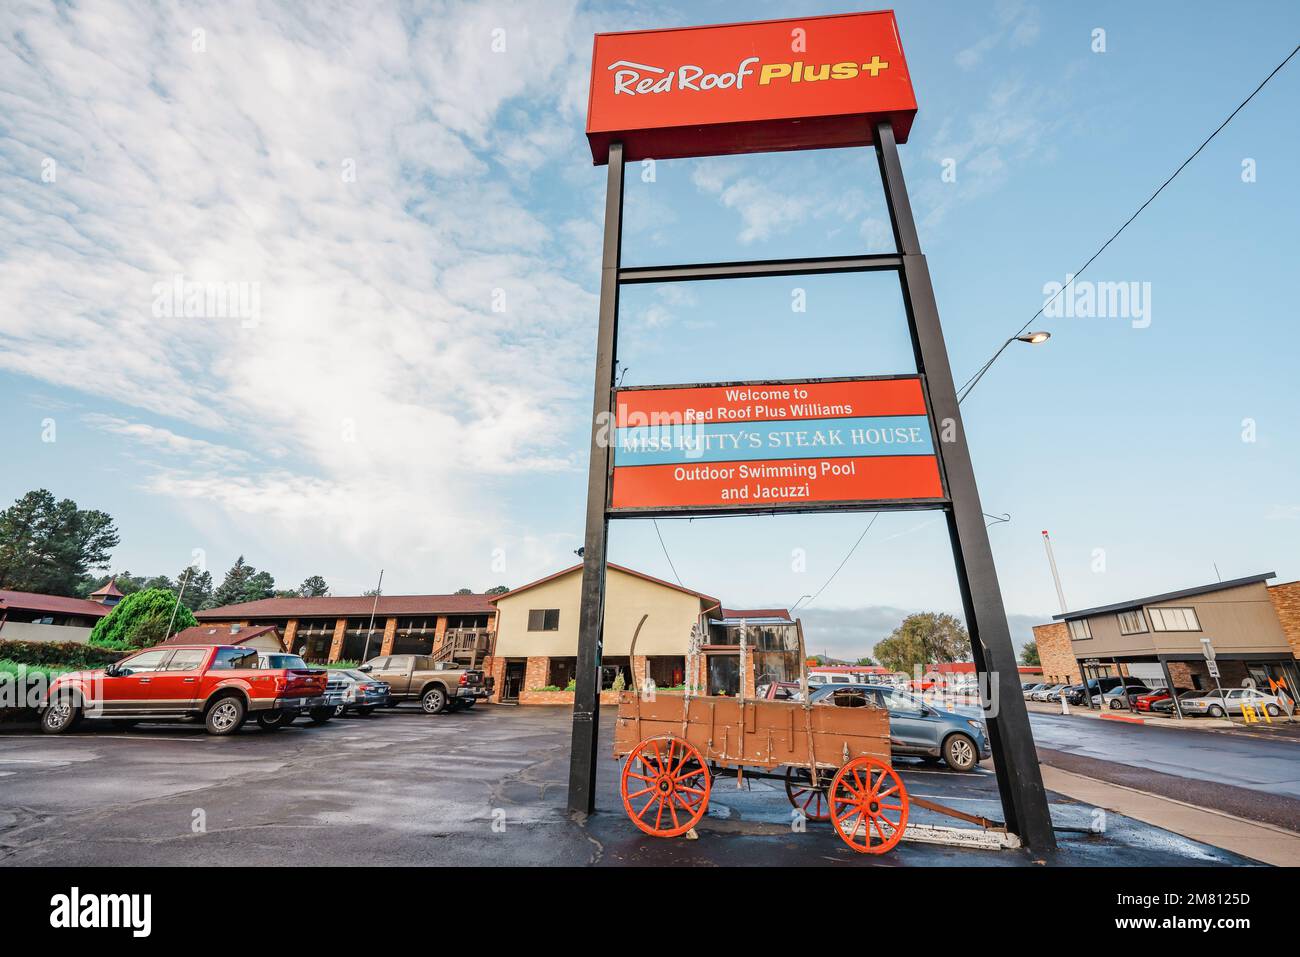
[220,684]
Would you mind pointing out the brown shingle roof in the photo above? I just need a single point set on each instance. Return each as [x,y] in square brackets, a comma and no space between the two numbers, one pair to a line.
[756,613]
[57,604]
[218,634]
[332,606]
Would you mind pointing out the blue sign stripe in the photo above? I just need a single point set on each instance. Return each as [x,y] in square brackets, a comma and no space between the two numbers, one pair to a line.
[754,441]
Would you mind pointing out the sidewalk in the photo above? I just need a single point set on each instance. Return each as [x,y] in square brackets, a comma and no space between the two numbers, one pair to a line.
[1258,841]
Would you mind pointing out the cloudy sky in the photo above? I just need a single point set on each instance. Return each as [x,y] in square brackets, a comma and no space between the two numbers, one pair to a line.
[403,197]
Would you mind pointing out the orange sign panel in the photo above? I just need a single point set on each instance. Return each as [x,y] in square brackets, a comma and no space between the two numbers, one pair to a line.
[765,445]
[805,83]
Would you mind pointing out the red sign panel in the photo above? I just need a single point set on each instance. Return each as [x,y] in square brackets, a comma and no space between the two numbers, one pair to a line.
[777,445]
[805,83]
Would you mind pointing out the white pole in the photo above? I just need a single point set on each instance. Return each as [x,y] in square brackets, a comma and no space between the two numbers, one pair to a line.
[365,655]
[1056,575]
[171,621]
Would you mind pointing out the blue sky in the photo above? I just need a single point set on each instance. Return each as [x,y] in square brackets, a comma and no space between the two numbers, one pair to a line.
[380,412]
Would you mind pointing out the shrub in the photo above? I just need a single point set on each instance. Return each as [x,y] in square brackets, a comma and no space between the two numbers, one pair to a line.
[66,654]
[140,620]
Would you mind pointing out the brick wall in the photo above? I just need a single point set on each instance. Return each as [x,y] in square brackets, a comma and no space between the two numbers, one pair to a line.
[290,632]
[336,646]
[390,635]
[1286,602]
[1054,651]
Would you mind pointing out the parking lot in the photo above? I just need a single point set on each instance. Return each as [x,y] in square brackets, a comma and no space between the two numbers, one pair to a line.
[402,788]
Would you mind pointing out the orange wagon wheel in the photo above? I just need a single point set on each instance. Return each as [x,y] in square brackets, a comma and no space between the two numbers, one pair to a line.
[869,805]
[665,786]
[813,801]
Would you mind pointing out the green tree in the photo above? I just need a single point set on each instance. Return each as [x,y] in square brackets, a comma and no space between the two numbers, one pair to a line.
[867,662]
[922,639]
[464,591]
[140,620]
[314,586]
[198,587]
[242,583]
[1029,655]
[49,545]
[497,590]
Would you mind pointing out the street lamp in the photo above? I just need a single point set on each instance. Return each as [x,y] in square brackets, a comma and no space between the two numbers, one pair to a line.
[1033,338]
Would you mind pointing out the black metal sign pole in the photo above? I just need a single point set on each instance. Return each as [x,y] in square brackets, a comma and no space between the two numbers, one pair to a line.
[586,697]
[1024,802]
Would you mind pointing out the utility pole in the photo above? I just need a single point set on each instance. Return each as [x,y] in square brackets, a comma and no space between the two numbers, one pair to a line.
[189,571]
[1056,575]
[365,655]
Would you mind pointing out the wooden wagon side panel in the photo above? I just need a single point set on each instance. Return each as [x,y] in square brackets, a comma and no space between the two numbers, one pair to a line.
[755,733]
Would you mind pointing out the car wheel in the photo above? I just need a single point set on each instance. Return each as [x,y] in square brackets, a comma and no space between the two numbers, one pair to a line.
[61,716]
[959,753]
[1116,704]
[1273,710]
[273,720]
[320,715]
[226,716]
[434,701]
[1216,711]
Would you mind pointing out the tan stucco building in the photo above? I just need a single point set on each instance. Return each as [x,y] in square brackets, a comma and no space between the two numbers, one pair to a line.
[536,649]
[1253,629]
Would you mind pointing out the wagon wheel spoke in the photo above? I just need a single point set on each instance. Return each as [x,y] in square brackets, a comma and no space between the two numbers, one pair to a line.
[641,777]
[683,787]
[637,794]
[652,800]
[884,794]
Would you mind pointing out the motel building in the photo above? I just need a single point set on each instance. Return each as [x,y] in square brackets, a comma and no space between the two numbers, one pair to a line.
[535,659]
[1254,629]
[457,627]
[29,616]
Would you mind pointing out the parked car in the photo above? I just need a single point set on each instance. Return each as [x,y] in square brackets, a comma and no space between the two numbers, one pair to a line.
[218,684]
[361,693]
[1050,693]
[1218,704]
[1076,693]
[334,689]
[437,686]
[915,728]
[1117,697]
[781,691]
[1034,689]
[1166,705]
[1145,702]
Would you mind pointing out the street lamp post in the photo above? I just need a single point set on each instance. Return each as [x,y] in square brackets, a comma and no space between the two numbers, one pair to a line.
[1031,338]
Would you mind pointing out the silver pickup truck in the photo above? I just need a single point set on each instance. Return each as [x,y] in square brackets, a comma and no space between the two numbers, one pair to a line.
[437,686]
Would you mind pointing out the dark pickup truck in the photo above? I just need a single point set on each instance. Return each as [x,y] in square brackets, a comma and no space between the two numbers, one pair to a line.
[438,686]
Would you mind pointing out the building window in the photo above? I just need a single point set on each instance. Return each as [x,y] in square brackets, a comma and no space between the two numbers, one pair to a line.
[667,671]
[611,668]
[544,619]
[1174,619]
[561,672]
[1079,630]
[1132,622]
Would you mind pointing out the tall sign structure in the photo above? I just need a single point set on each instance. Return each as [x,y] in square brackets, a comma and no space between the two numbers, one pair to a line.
[875,444]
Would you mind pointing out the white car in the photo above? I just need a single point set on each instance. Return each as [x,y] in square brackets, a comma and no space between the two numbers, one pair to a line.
[1048,693]
[1217,704]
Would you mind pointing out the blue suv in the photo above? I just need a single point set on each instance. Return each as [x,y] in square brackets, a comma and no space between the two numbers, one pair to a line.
[915,728]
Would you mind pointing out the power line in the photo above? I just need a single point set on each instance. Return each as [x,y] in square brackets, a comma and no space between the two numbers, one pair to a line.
[666,553]
[970,384]
[813,597]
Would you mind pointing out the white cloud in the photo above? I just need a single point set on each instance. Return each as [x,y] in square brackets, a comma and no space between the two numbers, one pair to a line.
[378,375]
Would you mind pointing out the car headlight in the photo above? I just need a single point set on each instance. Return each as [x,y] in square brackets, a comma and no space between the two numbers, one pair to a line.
[976,725]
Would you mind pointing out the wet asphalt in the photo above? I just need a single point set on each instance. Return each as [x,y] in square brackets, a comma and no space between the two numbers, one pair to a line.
[484,787]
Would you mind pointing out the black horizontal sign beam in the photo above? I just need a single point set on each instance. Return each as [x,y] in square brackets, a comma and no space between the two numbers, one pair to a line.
[758,268]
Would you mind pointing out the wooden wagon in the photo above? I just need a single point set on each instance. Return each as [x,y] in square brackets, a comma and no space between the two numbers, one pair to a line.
[836,760]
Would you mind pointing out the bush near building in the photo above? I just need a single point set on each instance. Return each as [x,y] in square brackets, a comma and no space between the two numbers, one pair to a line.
[140,620]
[65,654]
